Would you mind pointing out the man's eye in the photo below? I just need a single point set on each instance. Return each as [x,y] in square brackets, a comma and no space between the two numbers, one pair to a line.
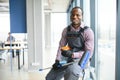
[75,15]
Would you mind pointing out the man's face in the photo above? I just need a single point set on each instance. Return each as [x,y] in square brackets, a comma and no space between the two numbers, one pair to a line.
[76,16]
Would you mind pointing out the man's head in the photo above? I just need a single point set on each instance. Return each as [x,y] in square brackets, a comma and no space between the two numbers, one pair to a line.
[76,16]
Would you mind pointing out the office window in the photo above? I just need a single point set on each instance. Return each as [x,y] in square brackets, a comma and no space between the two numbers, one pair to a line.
[86,10]
[74,3]
[106,38]
[77,2]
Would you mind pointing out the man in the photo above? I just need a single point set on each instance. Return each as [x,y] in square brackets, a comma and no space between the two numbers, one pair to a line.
[10,39]
[79,41]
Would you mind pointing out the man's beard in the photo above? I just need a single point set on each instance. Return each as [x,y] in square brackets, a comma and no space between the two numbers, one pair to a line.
[75,23]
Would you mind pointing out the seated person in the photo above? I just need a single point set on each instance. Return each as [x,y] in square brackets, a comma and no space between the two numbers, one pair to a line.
[10,38]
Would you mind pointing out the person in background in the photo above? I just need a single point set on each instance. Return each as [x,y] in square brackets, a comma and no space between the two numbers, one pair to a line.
[10,39]
[79,39]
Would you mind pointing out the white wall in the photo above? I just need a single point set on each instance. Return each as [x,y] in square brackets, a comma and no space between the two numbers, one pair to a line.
[4,26]
[58,23]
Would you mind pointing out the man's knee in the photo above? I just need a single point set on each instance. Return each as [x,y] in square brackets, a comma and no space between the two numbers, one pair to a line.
[46,78]
[49,77]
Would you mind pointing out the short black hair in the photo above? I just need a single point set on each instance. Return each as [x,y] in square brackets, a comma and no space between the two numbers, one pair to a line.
[9,32]
[77,7]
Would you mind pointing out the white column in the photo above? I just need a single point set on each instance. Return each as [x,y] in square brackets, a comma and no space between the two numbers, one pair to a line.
[35,30]
[47,29]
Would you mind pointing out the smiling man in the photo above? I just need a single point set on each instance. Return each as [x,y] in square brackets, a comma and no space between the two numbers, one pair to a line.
[79,38]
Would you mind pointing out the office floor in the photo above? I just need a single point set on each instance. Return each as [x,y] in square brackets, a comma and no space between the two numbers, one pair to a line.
[6,73]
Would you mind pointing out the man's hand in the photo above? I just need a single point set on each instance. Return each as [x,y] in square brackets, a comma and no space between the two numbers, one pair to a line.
[56,65]
[67,53]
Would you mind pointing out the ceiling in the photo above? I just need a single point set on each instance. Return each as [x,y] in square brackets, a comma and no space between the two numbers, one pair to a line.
[49,5]
[4,5]
[56,5]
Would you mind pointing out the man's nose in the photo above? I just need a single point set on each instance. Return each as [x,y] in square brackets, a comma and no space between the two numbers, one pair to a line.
[75,16]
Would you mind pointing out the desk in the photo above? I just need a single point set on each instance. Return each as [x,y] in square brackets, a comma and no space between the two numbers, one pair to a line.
[16,48]
[16,43]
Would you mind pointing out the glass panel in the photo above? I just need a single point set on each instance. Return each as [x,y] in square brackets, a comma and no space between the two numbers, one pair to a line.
[78,3]
[106,38]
